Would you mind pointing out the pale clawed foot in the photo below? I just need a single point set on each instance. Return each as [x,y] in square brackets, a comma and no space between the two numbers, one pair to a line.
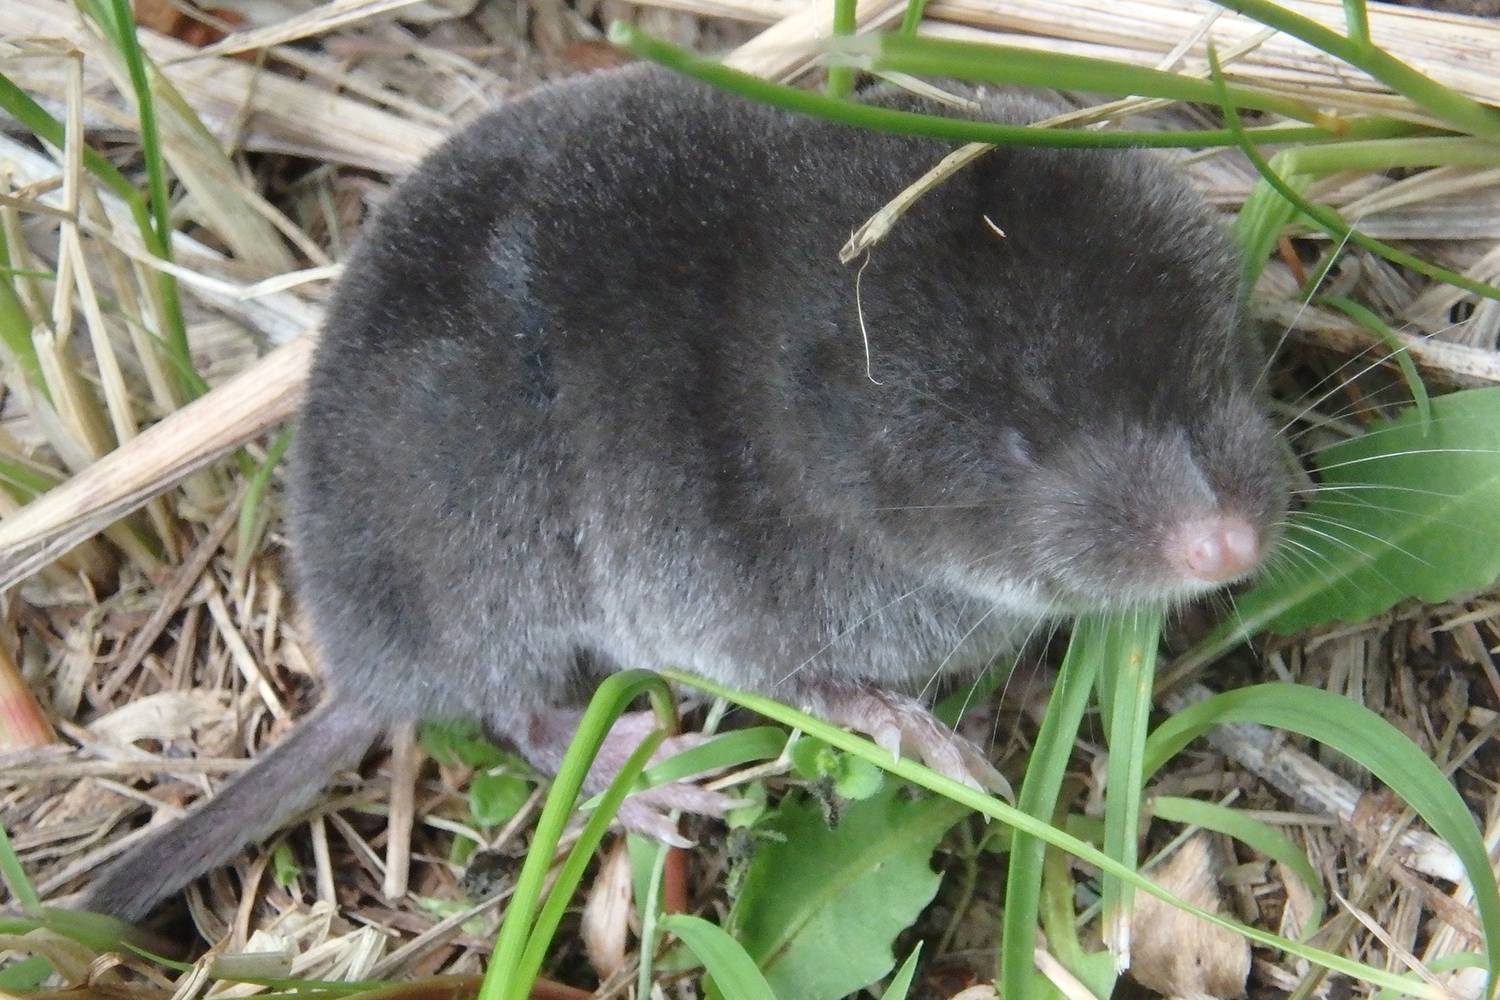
[903,725]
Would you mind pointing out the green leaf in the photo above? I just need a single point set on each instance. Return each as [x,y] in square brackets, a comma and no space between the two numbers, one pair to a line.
[284,865]
[741,817]
[459,741]
[25,976]
[819,911]
[901,981]
[1406,510]
[853,778]
[1353,730]
[495,798]
[721,752]
[254,512]
[1014,818]
[734,971]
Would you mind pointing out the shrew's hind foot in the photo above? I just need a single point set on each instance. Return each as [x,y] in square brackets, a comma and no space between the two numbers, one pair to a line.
[549,732]
[904,725]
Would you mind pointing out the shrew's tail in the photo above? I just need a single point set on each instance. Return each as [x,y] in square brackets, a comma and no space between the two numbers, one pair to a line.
[280,783]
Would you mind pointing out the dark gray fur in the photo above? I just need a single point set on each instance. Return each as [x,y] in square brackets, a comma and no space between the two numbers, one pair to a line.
[598,400]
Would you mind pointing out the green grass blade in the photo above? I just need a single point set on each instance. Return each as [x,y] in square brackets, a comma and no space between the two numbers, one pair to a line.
[1130,661]
[1264,216]
[982,62]
[912,19]
[734,971]
[1371,155]
[1326,218]
[579,858]
[1260,836]
[1445,963]
[1366,317]
[1462,112]
[1353,730]
[1086,654]
[253,513]
[1357,22]
[15,330]
[841,78]
[506,978]
[117,21]
[21,889]
[901,982]
[25,482]
[725,750]
[41,124]
[958,129]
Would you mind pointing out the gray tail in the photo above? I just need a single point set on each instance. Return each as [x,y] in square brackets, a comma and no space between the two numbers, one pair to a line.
[280,783]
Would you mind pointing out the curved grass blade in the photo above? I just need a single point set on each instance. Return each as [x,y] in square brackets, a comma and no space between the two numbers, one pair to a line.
[1353,730]
[1451,106]
[526,931]
[1327,219]
[983,62]
[734,971]
[1366,317]
[963,130]
[1260,836]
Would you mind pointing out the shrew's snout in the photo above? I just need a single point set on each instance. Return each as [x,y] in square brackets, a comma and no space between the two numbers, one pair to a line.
[1216,550]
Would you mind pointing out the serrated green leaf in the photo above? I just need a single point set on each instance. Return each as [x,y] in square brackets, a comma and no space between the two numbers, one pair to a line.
[1406,510]
[819,911]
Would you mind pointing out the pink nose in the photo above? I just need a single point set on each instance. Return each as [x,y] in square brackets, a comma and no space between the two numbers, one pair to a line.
[1215,549]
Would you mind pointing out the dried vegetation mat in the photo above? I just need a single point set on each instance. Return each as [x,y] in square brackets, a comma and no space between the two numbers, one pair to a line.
[157,306]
